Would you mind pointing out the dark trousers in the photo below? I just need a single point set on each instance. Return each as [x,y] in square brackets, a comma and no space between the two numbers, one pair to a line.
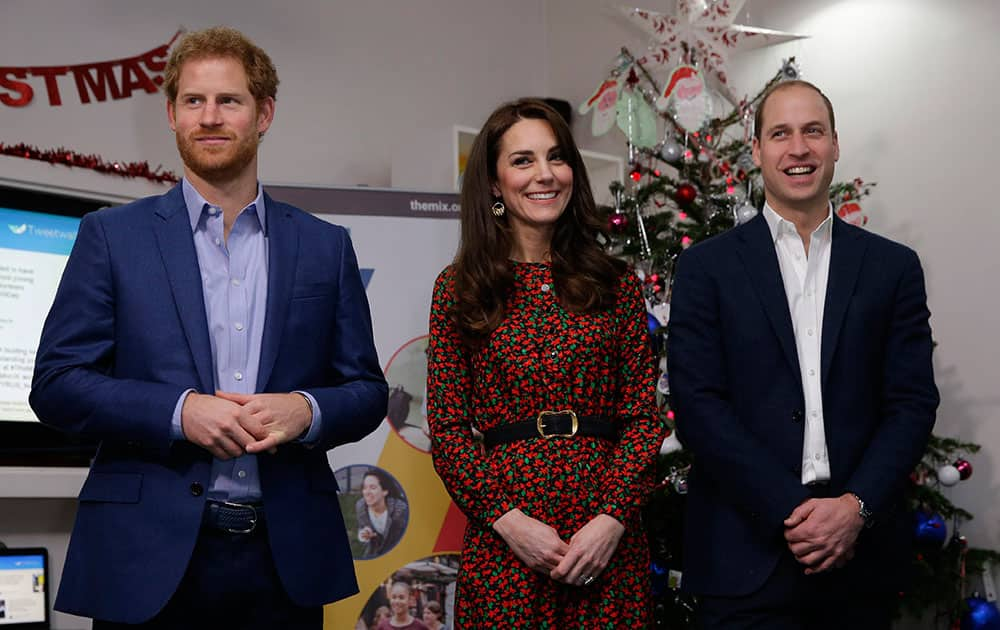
[791,600]
[230,583]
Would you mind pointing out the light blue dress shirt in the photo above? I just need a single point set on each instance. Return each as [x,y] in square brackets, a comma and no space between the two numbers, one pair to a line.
[234,285]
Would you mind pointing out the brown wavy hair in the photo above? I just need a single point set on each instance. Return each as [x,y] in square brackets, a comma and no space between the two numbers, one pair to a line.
[586,278]
[222,41]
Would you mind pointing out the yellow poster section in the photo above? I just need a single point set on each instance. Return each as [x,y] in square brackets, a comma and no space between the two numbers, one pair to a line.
[428,502]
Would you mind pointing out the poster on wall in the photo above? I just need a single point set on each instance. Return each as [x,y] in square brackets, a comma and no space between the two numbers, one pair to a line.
[405,531]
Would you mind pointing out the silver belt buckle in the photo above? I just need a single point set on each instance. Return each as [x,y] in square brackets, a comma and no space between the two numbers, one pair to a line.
[253,519]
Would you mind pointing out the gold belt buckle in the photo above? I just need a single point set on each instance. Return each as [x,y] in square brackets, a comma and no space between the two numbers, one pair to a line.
[540,423]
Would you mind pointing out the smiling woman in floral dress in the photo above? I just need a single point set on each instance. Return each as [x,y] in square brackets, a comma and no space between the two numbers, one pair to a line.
[538,341]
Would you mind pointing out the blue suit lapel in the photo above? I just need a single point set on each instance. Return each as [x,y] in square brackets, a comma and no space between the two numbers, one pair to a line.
[282,250]
[173,236]
[756,248]
[846,255]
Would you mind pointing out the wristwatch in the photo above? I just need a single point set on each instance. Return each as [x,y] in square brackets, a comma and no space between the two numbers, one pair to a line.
[863,511]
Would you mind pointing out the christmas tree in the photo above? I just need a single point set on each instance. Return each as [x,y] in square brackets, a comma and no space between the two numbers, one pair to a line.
[690,176]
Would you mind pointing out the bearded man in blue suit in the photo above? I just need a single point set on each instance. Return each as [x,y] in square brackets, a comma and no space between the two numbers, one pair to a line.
[217,343]
[799,355]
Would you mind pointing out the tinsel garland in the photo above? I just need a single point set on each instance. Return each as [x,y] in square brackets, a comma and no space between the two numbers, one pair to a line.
[67,157]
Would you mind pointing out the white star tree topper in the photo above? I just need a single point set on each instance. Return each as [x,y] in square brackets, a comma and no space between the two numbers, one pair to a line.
[702,33]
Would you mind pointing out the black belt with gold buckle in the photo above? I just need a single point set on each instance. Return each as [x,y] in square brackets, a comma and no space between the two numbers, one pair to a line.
[552,424]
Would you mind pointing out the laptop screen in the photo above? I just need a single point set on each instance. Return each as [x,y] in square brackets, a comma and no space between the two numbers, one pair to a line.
[23,584]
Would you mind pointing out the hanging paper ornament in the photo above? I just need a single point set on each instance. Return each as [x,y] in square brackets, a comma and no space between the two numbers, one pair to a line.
[930,530]
[671,151]
[982,615]
[617,222]
[744,213]
[851,212]
[685,194]
[948,475]
[636,119]
[964,468]
[603,102]
[686,97]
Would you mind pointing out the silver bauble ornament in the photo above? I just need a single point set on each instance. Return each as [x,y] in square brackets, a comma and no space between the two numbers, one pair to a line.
[744,213]
[671,151]
[948,475]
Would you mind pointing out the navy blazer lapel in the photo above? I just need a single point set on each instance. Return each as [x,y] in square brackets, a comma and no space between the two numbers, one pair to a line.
[756,247]
[847,251]
[172,227]
[282,257]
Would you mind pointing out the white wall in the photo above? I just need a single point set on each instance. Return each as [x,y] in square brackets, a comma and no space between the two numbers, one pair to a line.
[369,90]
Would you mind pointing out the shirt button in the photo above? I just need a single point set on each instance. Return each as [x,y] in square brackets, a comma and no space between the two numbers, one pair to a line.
[815,414]
[811,372]
[816,456]
[554,354]
[810,332]
[236,282]
[241,474]
[238,326]
[218,241]
[196,489]
[238,376]
[545,288]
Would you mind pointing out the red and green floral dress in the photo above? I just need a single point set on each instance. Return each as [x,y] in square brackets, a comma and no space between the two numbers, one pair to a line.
[543,357]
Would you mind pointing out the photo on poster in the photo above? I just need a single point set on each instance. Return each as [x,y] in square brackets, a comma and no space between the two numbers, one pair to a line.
[374,507]
[420,594]
[406,374]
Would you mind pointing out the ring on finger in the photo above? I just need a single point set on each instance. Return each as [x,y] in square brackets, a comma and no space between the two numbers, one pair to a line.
[586,580]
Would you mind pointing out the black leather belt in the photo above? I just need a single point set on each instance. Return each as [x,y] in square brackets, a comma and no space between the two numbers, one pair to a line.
[552,424]
[234,518]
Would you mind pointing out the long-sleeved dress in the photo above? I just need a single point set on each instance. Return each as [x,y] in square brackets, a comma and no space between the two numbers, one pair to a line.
[543,357]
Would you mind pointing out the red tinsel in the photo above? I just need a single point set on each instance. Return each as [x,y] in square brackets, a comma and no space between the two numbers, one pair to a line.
[94,162]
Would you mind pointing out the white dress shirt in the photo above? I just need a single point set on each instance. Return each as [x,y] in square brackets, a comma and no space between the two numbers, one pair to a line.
[805,278]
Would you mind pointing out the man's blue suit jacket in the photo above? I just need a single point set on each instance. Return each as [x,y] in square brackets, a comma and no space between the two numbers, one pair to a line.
[737,394]
[127,334]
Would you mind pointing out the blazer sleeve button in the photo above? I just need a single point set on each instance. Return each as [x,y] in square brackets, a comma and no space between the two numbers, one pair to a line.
[197,489]
[797,415]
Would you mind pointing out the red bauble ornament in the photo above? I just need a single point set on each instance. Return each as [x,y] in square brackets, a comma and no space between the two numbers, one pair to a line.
[635,175]
[685,194]
[964,469]
[617,222]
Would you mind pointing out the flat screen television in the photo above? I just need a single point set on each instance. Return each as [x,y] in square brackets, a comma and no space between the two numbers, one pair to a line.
[37,231]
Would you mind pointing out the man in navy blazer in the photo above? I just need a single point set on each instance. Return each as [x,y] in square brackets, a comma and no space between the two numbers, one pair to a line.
[799,356]
[217,343]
